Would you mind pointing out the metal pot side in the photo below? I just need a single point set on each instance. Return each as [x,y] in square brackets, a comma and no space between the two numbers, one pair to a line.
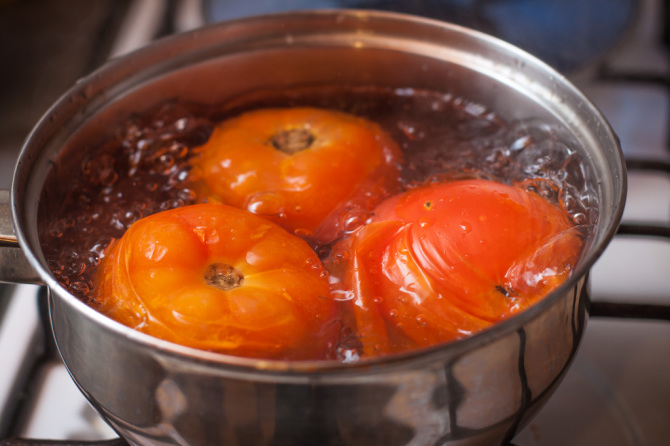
[479,396]
[477,391]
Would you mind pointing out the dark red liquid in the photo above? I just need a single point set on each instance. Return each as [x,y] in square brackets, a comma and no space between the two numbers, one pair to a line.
[144,169]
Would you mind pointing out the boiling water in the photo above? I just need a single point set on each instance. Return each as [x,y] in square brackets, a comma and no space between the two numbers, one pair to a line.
[144,168]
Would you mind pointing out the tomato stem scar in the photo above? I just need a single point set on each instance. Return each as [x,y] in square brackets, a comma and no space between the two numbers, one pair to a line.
[507,292]
[223,276]
[292,141]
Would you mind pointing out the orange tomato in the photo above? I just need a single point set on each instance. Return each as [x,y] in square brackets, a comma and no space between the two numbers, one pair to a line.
[315,172]
[441,262]
[218,278]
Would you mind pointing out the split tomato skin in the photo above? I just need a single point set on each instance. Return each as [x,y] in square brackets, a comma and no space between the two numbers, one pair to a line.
[444,261]
[304,168]
[221,279]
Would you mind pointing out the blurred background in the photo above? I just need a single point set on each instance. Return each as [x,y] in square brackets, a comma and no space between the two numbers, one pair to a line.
[46,45]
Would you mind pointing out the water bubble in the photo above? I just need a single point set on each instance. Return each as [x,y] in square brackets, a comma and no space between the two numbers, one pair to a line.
[172,203]
[83,218]
[521,143]
[579,219]
[466,228]
[140,206]
[80,288]
[76,268]
[343,295]
[411,130]
[166,162]
[100,170]
[475,109]
[353,219]
[56,229]
[108,177]
[93,259]
[266,203]
[131,217]
[181,124]
[341,254]
[98,246]
[55,266]
[117,224]
[186,195]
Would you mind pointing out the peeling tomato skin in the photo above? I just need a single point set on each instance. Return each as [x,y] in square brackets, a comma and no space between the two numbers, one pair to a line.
[277,305]
[350,163]
[447,252]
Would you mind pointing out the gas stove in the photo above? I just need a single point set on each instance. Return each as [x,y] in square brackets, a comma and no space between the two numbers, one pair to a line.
[617,391]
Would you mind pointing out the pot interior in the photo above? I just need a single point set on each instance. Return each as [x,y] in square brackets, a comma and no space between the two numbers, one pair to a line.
[230,63]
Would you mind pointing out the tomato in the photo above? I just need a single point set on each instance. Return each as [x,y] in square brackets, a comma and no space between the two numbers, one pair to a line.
[218,278]
[443,261]
[315,172]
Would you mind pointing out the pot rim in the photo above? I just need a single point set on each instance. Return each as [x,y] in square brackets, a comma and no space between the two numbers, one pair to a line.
[314,369]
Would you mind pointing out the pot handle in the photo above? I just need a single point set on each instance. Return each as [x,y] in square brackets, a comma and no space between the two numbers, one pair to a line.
[14,266]
[628,310]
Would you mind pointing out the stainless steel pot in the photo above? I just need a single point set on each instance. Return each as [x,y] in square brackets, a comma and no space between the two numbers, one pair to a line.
[480,390]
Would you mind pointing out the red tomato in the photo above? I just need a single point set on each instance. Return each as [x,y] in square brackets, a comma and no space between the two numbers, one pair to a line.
[218,278]
[443,261]
[315,172]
